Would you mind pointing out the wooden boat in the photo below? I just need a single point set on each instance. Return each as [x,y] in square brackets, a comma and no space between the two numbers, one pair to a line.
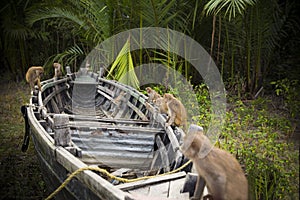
[85,120]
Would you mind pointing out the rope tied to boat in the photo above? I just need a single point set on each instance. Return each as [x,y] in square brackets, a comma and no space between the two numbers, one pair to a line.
[105,172]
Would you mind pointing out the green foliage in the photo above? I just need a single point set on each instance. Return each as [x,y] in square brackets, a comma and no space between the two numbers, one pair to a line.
[258,137]
[122,68]
[228,7]
[20,174]
[289,91]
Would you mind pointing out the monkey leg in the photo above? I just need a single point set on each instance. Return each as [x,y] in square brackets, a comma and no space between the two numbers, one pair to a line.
[171,119]
[39,84]
[31,84]
[219,190]
[199,188]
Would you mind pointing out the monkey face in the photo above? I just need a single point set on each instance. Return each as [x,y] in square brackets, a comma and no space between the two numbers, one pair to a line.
[39,72]
[148,89]
[56,65]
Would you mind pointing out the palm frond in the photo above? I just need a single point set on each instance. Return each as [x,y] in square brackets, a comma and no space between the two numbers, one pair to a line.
[230,8]
[122,68]
[69,56]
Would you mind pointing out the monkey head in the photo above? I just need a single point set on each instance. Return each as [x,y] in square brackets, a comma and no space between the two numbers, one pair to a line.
[195,143]
[168,96]
[148,89]
[56,65]
[39,72]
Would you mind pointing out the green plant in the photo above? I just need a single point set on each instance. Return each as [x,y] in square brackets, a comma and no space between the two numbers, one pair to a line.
[259,141]
[258,137]
[288,91]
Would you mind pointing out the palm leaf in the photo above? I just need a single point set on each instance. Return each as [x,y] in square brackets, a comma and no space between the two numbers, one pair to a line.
[230,8]
[122,68]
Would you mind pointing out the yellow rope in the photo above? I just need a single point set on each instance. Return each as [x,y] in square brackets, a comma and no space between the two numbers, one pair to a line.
[124,180]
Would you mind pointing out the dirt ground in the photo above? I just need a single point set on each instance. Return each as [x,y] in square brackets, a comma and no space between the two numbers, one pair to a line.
[20,176]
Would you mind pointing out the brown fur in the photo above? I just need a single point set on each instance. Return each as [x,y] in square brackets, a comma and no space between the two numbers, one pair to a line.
[33,76]
[161,104]
[57,70]
[176,111]
[223,174]
[119,98]
[152,94]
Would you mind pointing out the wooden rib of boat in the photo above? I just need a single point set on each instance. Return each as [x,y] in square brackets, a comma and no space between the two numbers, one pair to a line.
[85,120]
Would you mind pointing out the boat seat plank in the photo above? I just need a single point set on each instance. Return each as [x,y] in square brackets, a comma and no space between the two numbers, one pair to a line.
[142,191]
[106,120]
[95,125]
[158,179]
[159,190]
[175,189]
[84,82]
[110,120]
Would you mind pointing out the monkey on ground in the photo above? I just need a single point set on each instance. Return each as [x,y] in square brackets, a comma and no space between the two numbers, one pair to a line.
[57,70]
[152,94]
[176,111]
[223,174]
[33,76]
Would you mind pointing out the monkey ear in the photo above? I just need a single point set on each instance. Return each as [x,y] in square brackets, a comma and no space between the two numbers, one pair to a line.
[206,147]
[195,128]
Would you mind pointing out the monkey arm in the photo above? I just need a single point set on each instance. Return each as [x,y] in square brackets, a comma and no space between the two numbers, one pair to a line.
[171,118]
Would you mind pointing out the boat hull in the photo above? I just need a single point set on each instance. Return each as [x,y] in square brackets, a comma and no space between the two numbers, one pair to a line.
[135,121]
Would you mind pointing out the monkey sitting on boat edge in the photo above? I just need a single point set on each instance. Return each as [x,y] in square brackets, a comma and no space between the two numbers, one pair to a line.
[176,111]
[57,70]
[221,171]
[152,94]
[33,76]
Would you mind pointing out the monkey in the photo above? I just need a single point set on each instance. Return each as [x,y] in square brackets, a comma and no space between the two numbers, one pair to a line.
[33,76]
[221,171]
[153,95]
[117,100]
[57,70]
[161,105]
[176,111]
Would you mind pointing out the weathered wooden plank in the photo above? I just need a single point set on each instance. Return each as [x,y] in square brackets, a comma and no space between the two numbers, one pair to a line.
[62,133]
[138,184]
[85,82]
[52,94]
[159,190]
[54,106]
[137,111]
[176,188]
[108,120]
[142,191]
[105,95]
[96,183]
[121,128]
[106,90]
[58,96]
